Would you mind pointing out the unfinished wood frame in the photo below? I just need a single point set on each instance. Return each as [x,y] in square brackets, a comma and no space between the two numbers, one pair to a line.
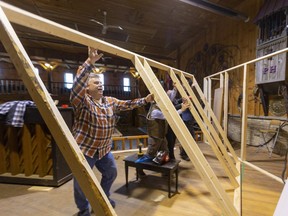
[280,206]
[64,138]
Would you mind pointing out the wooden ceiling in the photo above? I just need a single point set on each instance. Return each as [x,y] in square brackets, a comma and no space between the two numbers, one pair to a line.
[152,28]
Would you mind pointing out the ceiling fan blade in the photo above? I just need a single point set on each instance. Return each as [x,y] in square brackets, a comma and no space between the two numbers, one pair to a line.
[114,26]
[95,21]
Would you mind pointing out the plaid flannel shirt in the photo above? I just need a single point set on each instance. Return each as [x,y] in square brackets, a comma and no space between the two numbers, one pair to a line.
[13,112]
[94,123]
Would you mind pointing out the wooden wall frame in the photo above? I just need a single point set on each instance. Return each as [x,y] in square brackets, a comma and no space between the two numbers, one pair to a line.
[281,206]
[63,136]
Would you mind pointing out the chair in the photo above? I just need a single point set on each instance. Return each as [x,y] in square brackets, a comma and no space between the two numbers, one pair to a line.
[271,134]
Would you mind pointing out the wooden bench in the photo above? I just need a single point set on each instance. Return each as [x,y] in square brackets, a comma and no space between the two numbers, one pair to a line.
[167,169]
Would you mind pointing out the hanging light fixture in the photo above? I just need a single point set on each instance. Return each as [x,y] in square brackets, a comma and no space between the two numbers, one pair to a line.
[134,73]
[49,67]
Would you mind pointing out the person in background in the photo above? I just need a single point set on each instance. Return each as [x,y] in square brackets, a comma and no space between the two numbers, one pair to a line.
[157,130]
[170,135]
[94,123]
[189,121]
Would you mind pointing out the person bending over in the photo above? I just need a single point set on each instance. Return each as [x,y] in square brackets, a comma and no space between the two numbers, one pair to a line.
[157,129]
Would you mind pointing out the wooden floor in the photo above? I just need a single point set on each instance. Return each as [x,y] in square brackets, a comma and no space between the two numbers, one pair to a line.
[148,196]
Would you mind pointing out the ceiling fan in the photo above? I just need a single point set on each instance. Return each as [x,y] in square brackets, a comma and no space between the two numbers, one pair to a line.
[104,25]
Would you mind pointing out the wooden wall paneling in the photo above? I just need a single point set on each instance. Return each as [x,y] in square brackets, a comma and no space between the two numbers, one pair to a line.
[239,34]
[47,108]
[26,140]
[13,150]
[236,93]
[34,148]
[3,165]
[218,104]
[250,87]
[42,142]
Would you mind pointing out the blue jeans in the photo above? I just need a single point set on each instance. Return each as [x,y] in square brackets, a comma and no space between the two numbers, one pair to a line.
[107,167]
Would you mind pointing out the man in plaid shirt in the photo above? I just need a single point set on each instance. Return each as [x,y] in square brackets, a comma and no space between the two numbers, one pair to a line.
[94,124]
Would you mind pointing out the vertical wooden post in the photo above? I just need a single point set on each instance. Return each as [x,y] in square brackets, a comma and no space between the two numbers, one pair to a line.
[226,102]
[244,114]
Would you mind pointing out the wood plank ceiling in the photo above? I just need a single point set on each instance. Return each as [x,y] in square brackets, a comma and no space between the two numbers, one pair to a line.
[152,28]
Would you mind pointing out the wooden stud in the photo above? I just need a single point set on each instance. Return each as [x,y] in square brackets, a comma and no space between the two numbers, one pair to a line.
[225,104]
[244,114]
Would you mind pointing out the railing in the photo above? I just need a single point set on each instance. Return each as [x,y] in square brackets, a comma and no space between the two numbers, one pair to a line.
[129,142]
[14,86]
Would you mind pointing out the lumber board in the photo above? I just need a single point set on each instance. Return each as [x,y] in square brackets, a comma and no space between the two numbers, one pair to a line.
[244,114]
[218,103]
[225,103]
[238,191]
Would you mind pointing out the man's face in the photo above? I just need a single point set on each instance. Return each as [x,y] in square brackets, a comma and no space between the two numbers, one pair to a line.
[95,87]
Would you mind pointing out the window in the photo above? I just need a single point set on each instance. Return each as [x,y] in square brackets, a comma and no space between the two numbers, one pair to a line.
[126,84]
[102,79]
[68,79]
[36,71]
